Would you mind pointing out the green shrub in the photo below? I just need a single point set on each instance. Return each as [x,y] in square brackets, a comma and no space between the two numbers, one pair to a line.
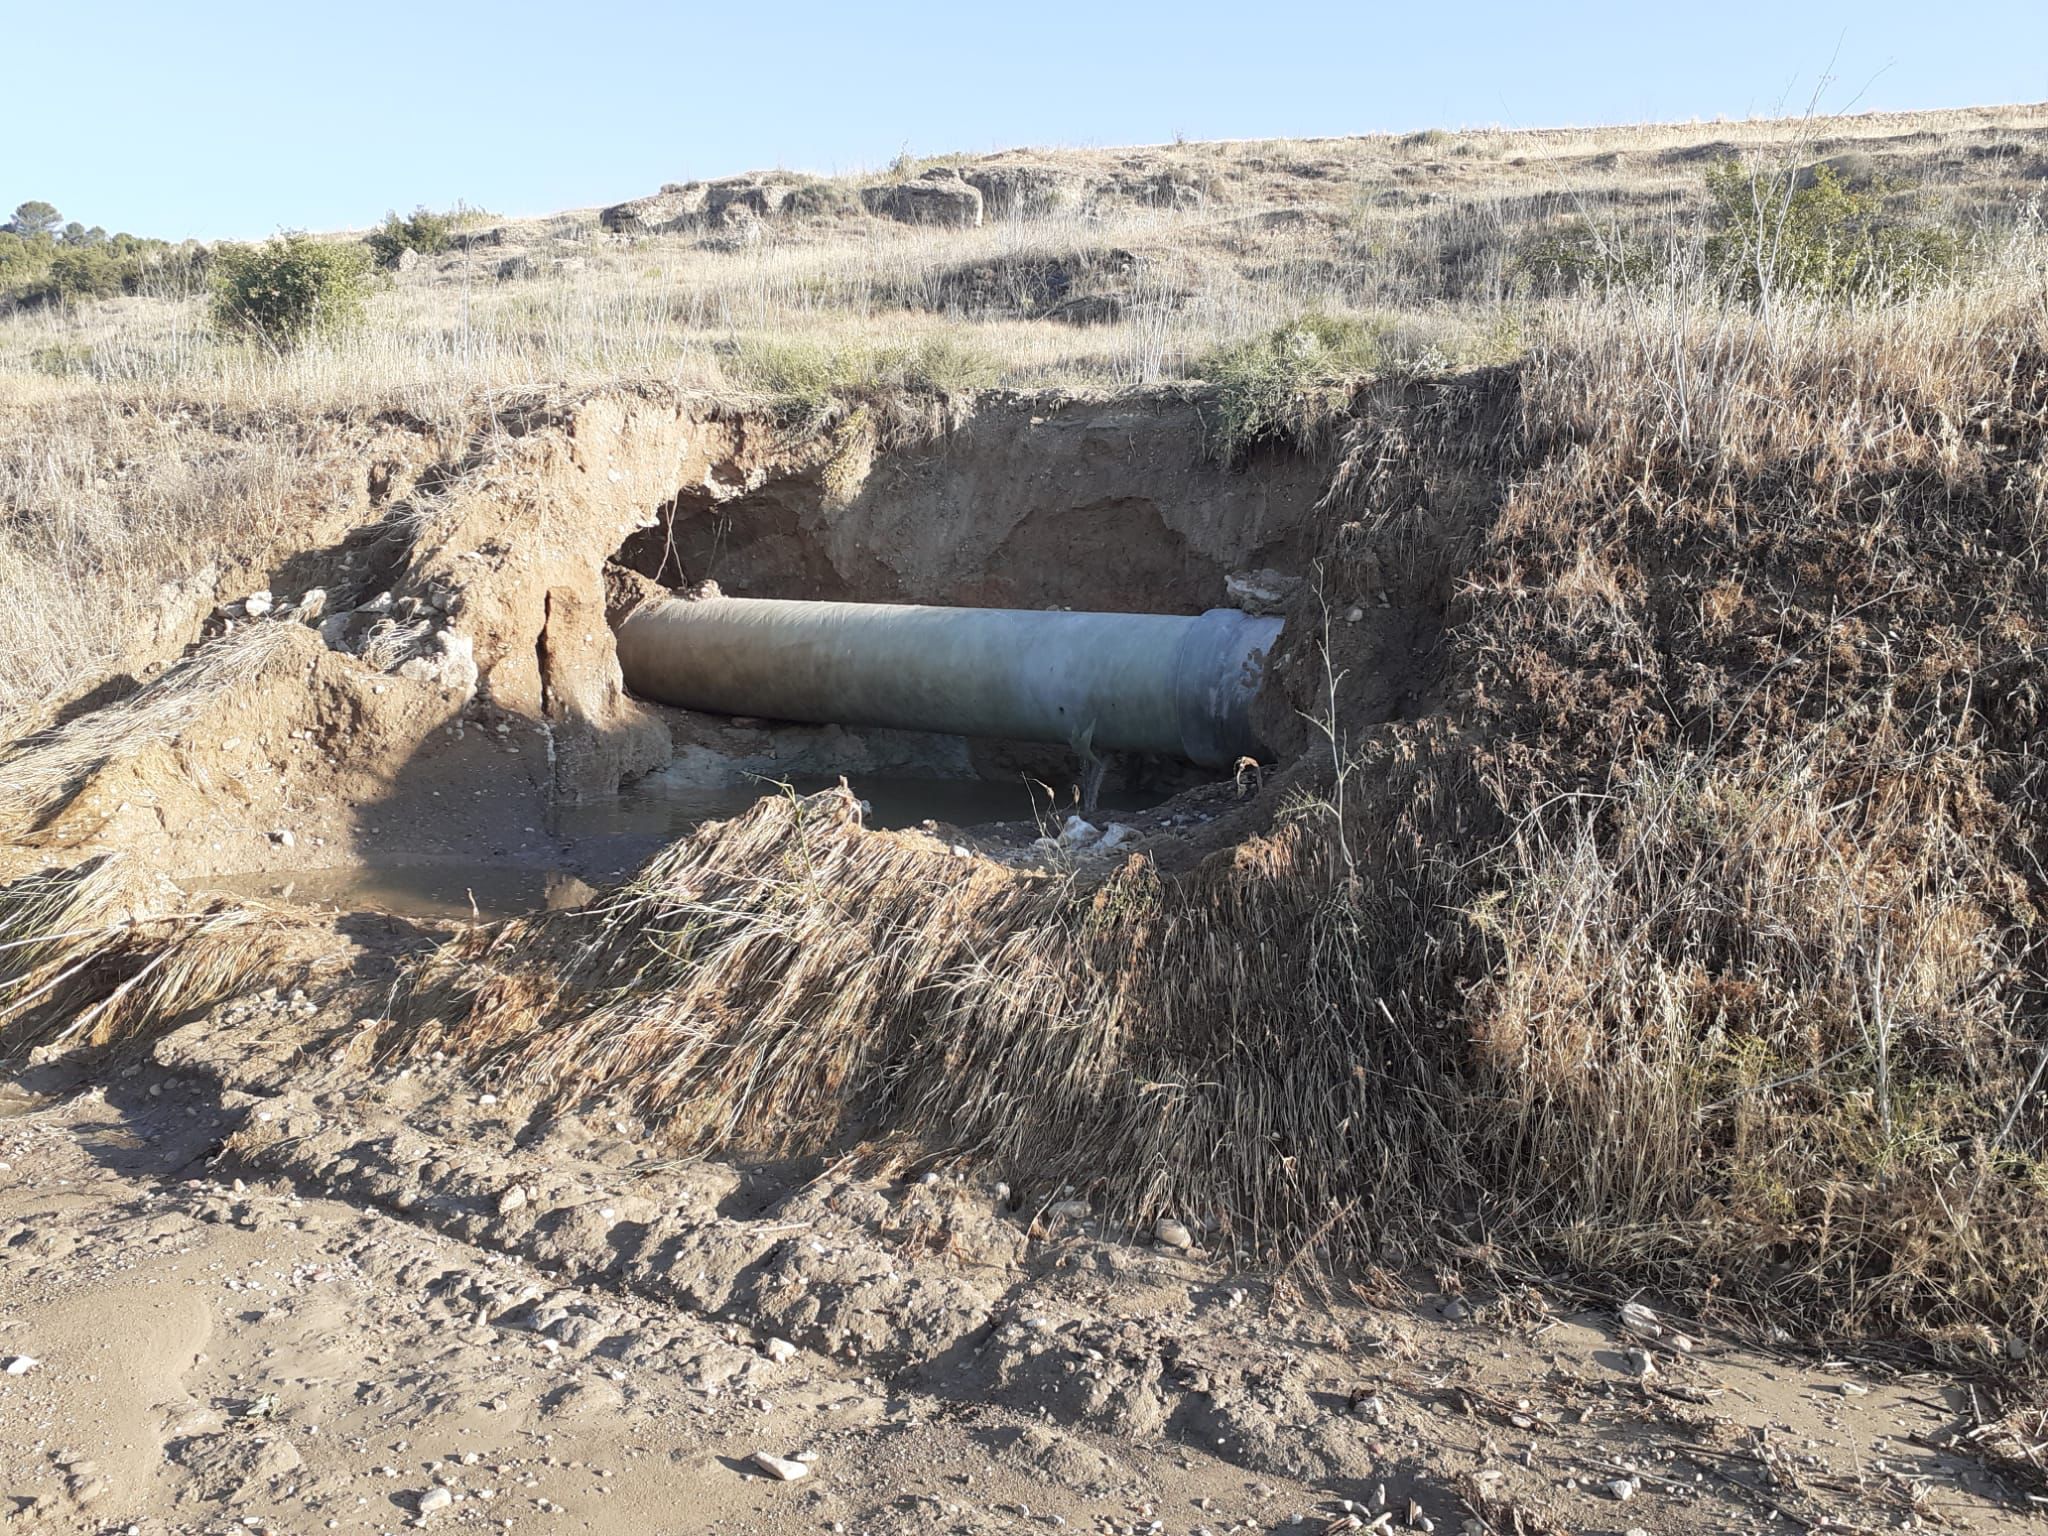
[822,197]
[427,232]
[1580,256]
[1810,233]
[88,272]
[20,258]
[90,264]
[1281,386]
[289,288]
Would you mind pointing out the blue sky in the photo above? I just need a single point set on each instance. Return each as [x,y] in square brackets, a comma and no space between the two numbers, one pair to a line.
[237,119]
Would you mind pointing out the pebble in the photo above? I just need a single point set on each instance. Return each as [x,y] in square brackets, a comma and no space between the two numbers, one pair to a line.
[1622,1488]
[779,1350]
[779,1466]
[20,1365]
[1637,1318]
[434,1499]
[512,1200]
[1172,1234]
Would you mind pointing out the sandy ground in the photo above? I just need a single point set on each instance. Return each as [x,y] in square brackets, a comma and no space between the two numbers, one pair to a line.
[261,1287]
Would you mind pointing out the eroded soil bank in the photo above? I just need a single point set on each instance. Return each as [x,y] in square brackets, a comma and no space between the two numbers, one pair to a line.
[439,683]
[985,1129]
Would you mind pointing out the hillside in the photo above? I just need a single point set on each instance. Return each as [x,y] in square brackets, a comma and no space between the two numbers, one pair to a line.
[1637,899]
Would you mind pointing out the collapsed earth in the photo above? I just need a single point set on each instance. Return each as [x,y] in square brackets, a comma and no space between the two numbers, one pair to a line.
[1323,835]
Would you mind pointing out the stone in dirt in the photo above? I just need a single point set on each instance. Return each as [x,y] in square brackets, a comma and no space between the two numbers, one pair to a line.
[1078,833]
[735,199]
[779,1466]
[669,209]
[937,197]
[20,1365]
[1261,591]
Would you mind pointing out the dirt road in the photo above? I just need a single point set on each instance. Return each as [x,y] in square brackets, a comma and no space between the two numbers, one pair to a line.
[247,1287]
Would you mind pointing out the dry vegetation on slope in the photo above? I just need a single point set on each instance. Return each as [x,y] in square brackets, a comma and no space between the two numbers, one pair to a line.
[141,448]
[1694,936]
[1696,940]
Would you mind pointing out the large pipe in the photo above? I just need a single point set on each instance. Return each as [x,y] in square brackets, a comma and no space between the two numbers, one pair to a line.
[1141,682]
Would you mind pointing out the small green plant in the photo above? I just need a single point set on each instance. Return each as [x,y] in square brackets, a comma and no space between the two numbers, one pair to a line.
[1281,386]
[289,288]
[1785,232]
[426,232]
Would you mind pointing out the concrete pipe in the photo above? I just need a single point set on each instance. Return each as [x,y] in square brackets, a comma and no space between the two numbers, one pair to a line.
[1140,682]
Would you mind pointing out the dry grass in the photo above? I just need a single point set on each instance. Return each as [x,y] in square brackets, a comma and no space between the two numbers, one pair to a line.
[136,448]
[1694,945]
[80,968]
[39,771]
[1693,941]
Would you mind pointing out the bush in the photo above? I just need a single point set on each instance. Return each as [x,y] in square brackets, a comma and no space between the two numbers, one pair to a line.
[1580,256]
[90,264]
[817,198]
[427,232]
[289,288]
[1810,233]
[1281,386]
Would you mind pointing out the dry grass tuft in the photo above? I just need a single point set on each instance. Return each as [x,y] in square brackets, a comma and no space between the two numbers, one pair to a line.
[79,968]
[40,771]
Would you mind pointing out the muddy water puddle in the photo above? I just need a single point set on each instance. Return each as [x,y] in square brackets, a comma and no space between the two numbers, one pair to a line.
[475,891]
[603,840]
[659,809]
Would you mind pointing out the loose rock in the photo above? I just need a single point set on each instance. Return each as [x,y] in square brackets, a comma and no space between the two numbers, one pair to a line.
[780,1467]
[1171,1234]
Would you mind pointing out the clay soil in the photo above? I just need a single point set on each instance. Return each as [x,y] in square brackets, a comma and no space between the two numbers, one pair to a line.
[266,1288]
[255,1277]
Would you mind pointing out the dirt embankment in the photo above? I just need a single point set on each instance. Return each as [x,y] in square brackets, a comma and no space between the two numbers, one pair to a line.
[1659,756]
[430,684]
